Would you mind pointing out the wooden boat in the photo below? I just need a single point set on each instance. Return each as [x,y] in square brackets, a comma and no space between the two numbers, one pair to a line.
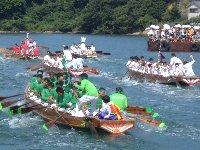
[171,80]
[74,73]
[93,55]
[64,117]
[174,46]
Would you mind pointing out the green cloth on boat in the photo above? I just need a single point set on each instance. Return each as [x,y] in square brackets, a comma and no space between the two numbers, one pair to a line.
[88,88]
[120,100]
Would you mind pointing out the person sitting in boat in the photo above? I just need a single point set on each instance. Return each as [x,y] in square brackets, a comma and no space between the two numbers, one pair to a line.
[47,58]
[102,93]
[90,92]
[36,84]
[130,62]
[119,99]
[149,66]
[109,110]
[178,70]
[188,70]
[92,48]
[58,62]
[36,52]
[49,93]
[142,64]
[76,63]
[164,70]
[65,99]
[174,60]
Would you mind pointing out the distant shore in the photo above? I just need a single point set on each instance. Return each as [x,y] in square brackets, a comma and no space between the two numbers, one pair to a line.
[139,33]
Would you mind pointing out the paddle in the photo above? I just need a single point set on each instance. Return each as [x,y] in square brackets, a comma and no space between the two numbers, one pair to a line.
[49,124]
[148,120]
[7,104]
[106,53]
[2,98]
[35,67]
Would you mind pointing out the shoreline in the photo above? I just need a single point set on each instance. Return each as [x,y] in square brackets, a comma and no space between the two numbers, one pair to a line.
[139,33]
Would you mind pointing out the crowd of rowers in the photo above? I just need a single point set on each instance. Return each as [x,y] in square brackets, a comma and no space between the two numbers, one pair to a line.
[63,59]
[176,67]
[82,48]
[173,33]
[80,96]
[27,48]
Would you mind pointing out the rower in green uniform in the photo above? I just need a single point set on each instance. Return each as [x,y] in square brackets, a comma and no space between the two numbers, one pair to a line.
[65,99]
[37,86]
[86,86]
[119,99]
[102,93]
[90,92]
[48,93]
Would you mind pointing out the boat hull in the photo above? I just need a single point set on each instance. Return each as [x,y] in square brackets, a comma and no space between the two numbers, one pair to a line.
[65,118]
[174,46]
[171,80]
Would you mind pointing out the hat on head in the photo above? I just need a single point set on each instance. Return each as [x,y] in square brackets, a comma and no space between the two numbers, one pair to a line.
[83,76]
[119,89]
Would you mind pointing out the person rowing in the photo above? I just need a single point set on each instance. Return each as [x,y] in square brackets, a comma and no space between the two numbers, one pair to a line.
[188,70]
[76,63]
[89,90]
[65,99]
[119,99]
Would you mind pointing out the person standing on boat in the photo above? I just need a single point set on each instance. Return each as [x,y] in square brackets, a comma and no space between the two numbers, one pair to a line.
[119,99]
[160,57]
[188,71]
[67,55]
[90,92]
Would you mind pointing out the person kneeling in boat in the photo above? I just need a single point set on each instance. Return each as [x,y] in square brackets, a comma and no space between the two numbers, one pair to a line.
[109,110]
[65,99]
[90,92]
[119,99]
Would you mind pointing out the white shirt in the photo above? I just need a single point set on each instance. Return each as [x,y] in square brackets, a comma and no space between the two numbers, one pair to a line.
[188,69]
[47,59]
[83,47]
[175,60]
[76,63]
[67,55]
[92,48]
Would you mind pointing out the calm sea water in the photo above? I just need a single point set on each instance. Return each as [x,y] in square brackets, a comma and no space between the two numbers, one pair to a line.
[178,107]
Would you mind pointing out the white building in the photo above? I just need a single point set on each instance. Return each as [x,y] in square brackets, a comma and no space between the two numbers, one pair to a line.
[194,9]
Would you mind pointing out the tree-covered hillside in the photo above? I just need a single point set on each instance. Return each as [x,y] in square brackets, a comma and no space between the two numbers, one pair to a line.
[86,16]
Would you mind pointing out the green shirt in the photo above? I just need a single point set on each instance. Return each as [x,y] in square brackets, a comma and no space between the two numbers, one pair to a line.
[88,88]
[120,100]
[65,99]
[45,94]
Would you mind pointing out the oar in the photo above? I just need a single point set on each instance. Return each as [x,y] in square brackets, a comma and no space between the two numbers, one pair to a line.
[49,124]
[7,104]
[99,52]
[106,53]
[34,67]
[148,120]
[2,98]
[16,107]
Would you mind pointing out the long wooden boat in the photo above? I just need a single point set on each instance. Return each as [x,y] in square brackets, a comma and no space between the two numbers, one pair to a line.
[7,53]
[171,80]
[173,46]
[94,55]
[74,73]
[53,113]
